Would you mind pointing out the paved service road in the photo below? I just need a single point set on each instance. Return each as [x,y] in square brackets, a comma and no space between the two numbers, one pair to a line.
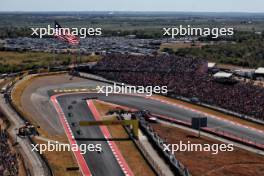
[100,164]
[160,108]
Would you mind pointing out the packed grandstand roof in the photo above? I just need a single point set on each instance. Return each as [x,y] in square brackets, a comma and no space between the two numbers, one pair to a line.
[185,77]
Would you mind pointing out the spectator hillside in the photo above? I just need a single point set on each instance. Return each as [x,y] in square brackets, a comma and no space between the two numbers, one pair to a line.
[8,160]
[184,77]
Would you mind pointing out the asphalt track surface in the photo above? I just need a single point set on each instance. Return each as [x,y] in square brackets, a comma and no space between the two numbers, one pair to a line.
[157,107]
[105,163]
[100,164]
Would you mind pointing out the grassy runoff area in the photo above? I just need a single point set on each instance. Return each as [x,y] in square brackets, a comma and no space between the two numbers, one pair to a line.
[60,160]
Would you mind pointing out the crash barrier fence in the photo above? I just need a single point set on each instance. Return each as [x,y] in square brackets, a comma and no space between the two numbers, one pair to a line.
[236,138]
[240,139]
[177,167]
[189,100]
[158,143]
[153,164]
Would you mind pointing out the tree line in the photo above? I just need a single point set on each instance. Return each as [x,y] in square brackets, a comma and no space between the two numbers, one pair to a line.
[244,49]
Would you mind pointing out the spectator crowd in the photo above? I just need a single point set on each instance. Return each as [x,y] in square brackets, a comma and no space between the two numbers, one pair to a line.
[8,160]
[187,77]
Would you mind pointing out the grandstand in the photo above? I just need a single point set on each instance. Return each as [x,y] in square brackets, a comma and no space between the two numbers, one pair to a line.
[185,77]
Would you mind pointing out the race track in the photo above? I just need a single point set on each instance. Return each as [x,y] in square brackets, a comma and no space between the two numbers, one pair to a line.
[104,163]
[178,113]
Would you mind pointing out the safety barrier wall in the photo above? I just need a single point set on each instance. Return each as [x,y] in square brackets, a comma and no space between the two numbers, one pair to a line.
[158,143]
[152,163]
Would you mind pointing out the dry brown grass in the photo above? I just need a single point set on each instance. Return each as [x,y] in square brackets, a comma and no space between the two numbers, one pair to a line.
[39,58]
[128,149]
[17,92]
[59,161]
[236,163]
